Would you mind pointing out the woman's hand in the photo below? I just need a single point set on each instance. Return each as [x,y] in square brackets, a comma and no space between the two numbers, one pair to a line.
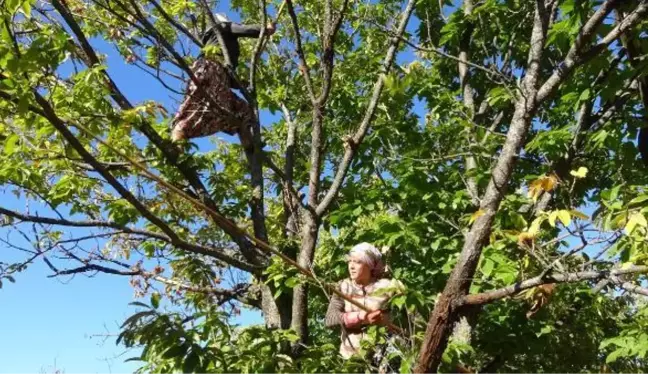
[362,316]
[271,28]
[375,317]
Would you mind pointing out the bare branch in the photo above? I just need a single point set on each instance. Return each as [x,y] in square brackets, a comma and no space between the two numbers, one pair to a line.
[304,69]
[490,296]
[179,243]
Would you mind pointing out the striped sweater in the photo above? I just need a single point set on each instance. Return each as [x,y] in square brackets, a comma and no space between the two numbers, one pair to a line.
[343,313]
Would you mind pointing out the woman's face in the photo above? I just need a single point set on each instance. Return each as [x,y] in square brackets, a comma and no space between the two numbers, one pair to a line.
[358,270]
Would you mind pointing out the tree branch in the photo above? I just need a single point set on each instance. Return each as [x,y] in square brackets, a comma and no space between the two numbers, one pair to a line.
[630,287]
[89,52]
[490,296]
[175,24]
[304,69]
[468,98]
[179,243]
[352,144]
[577,55]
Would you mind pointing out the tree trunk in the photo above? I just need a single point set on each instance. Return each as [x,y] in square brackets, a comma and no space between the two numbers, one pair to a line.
[300,293]
[447,309]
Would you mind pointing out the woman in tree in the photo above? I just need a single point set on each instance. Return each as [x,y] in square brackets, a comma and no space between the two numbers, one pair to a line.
[366,285]
[214,107]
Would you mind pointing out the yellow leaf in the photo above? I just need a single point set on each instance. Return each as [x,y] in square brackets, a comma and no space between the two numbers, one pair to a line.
[525,238]
[535,226]
[549,182]
[552,218]
[535,188]
[578,214]
[545,183]
[564,217]
[476,215]
[580,173]
[635,219]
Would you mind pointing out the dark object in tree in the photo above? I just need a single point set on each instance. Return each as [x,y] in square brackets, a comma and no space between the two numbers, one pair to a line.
[231,32]
[204,111]
[208,109]
[642,143]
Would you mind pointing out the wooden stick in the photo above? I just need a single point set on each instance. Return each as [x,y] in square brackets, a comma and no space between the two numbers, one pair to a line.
[224,221]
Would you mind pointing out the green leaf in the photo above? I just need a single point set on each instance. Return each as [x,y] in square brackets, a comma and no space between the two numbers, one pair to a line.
[292,282]
[155,299]
[567,6]
[487,268]
[10,144]
[399,301]
[638,199]
[577,214]
[136,317]
[137,303]
[26,8]
[614,356]
[12,5]
[191,363]
[175,350]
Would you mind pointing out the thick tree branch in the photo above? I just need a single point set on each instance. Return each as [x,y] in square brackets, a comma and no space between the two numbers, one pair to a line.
[254,154]
[445,312]
[468,97]
[630,287]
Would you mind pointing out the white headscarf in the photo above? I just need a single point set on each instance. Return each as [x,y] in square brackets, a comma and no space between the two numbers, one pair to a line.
[371,256]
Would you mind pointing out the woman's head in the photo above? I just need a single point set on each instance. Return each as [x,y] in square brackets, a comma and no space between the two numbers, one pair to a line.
[365,263]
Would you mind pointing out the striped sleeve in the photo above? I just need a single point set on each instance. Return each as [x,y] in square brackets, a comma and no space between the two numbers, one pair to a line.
[334,314]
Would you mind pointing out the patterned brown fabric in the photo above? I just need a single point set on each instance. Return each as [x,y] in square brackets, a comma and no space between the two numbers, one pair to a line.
[205,111]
